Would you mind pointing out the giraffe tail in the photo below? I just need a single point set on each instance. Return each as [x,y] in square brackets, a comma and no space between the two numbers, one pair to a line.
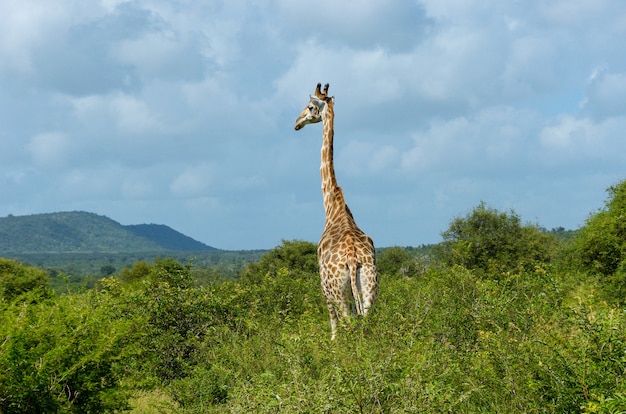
[355,282]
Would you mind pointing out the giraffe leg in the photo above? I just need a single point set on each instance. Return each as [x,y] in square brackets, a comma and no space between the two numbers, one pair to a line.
[336,310]
[369,286]
[338,302]
[332,288]
[334,319]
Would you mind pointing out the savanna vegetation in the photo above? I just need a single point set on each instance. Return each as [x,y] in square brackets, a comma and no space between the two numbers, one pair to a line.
[502,317]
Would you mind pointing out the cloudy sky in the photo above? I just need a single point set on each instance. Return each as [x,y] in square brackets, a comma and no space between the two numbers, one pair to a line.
[182,112]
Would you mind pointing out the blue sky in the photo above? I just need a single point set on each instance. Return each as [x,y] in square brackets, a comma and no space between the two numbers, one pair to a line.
[181,112]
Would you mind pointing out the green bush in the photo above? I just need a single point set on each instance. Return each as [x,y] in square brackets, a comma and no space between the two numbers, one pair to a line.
[17,278]
[205,387]
[295,255]
[599,247]
[174,317]
[397,261]
[284,283]
[139,271]
[494,242]
[62,354]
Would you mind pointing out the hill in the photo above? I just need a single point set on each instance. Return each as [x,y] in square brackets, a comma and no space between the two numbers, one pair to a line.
[167,237]
[83,232]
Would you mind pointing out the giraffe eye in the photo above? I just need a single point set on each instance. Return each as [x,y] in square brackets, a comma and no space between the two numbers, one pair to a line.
[310,107]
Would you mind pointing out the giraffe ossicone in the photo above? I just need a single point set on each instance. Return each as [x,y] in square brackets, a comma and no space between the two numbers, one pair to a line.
[346,255]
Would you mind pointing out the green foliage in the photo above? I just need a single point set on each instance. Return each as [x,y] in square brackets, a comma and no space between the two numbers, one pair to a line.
[398,261]
[205,387]
[445,342]
[107,270]
[295,255]
[448,339]
[174,317]
[62,354]
[494,242]
[139,271]
[172,273]
[600,246]
[80,265]
[599,352]
[16,279]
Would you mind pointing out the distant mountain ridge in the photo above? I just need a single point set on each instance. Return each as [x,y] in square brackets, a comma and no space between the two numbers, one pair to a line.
[83,232]
[167,237]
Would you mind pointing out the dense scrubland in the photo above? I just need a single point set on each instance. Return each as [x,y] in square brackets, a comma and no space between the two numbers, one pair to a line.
[502,316]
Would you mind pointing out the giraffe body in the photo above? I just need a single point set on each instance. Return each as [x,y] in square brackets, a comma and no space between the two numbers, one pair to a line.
[345,253]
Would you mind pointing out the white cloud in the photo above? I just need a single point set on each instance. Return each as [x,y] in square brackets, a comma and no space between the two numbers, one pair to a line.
[367,159]
[193,181]
[575,11]
[50,150]
[567,133]
[133,115]
[606,94]
[530,67]
[579,141]
[26,25]
[127,113]
[392,24]
[498,137]
[137,188]
[385,158]
[164,55]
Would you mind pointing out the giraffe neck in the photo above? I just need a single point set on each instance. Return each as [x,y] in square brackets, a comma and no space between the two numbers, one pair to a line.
[327,168]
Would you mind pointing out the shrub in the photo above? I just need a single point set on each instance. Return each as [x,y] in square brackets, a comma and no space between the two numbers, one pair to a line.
[284,283]
[17,278]
[600,246]
[396,261]
[494,242]
[62,355]
[174,315]
[294,255]
[206,387]
[139,271]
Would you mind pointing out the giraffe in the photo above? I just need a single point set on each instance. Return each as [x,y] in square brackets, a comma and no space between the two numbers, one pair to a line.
[345,254]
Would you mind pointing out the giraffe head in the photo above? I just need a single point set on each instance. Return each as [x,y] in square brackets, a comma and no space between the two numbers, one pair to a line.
[312,113]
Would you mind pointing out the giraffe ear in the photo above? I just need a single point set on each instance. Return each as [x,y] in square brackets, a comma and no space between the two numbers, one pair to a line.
[316,101]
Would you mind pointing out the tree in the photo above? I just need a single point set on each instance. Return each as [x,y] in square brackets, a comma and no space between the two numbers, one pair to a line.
[284,282]
[177,316]
[293,255]
[397,261]
[492,242]
[107,270]
[17,278]
[600,246]
[139,271]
